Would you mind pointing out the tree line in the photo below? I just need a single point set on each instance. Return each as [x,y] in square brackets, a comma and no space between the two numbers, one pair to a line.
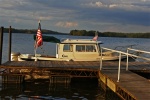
[109,34]
[31,31]
[83,33]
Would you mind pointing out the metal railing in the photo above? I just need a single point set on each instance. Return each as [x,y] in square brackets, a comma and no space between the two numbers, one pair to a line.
[123,53]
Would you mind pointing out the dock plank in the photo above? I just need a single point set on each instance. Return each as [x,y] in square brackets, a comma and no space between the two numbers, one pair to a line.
[130,82]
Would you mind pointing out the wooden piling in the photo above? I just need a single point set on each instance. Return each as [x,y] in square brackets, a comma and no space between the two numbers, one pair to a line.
[60,79]
[1,43]
[9,45]
[9,78]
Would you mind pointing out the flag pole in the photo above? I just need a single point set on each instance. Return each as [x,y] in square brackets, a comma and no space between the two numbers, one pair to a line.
[96,35]
[35,46]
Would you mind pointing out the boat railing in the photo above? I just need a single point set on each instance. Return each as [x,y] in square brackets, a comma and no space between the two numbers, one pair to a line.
[124,47]
[124,53]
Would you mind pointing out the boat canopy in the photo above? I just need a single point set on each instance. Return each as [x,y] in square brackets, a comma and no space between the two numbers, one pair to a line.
[80,41]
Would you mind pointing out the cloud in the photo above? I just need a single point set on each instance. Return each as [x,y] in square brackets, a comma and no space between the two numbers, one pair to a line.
[12,4]
[141,5]
[78,14]
[97,4]
[144,0]
[67,24]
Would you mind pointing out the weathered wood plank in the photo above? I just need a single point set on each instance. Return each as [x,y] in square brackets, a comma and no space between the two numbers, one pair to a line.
[80,64]
[131,83]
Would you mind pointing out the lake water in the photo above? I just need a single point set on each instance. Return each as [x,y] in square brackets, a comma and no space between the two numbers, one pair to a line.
[24,43]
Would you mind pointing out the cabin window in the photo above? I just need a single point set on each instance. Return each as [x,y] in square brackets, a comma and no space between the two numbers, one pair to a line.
[90,48]
[85,48]
[68,48]
[80,48]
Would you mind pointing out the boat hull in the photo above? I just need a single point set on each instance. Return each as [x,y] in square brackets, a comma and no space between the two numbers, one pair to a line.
[27,57]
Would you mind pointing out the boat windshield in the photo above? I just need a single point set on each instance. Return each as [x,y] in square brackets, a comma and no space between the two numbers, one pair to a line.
[85,48]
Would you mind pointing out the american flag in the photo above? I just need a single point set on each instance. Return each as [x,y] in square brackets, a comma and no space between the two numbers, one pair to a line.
[39,39]
[96,37]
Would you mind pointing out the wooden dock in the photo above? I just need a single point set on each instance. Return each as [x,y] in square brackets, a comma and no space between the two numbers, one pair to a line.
[131,86]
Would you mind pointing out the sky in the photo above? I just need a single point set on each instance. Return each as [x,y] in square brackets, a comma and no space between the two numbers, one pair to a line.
[65,15]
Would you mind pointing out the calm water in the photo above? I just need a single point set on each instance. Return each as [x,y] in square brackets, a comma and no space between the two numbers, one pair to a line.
[24,43]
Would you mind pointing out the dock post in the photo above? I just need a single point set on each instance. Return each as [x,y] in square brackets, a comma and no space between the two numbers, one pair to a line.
[101,60]
[119,67]
[9,45]
[127,60]
[1,43]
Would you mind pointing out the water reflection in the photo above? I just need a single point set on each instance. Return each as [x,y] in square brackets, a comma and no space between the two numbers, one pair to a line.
[42,90]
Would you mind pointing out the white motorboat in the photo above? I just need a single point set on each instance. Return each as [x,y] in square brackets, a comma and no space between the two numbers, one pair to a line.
[75,50]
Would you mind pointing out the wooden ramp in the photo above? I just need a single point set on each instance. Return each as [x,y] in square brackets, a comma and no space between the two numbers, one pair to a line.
[130,87]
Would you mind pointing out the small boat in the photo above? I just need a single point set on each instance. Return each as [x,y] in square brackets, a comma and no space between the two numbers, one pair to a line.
[75,50]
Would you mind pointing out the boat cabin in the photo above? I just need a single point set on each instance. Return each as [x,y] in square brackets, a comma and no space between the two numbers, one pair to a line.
[75,50]
[78,49]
